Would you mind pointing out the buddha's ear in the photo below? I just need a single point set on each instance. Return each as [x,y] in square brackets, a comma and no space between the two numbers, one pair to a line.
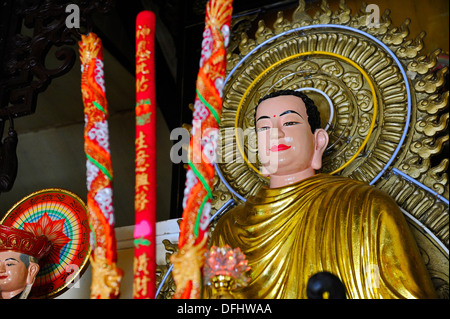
[320,145]
[33,270]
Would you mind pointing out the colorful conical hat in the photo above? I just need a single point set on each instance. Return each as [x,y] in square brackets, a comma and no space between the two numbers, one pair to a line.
[62,217]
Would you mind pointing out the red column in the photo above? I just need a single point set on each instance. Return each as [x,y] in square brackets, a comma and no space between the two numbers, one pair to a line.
[145,170]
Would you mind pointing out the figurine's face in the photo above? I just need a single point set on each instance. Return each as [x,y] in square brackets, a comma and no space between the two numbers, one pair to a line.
[14,275]
[286,144]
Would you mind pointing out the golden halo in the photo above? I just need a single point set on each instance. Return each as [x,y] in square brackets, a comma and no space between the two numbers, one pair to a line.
[366,88]
[369,81]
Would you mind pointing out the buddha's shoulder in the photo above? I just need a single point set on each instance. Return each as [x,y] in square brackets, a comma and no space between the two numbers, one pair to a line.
[346,184]
[223,226]
[364,199]
[231,214]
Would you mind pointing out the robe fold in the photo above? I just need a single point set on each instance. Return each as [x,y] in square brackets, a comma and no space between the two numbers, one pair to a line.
[325,223]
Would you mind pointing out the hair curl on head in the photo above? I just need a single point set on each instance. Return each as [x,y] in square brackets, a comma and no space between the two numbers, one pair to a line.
[311,109]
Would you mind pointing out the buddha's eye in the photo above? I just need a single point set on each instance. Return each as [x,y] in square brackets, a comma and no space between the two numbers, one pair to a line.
[264,128]
[290,123]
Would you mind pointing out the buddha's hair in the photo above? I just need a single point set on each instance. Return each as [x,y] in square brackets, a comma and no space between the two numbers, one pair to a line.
[311,109]
[26,259]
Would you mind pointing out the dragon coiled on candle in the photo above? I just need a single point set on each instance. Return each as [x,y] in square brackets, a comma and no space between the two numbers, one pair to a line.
[106,276]
[204,136]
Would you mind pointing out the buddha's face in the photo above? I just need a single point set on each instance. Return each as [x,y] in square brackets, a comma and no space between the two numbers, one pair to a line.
[286,144]
[14,275]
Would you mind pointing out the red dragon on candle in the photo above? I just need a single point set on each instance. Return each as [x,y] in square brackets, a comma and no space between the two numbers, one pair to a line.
[204,135]
[106,276]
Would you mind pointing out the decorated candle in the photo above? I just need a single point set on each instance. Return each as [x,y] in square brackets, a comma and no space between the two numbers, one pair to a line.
[204,134]
[106,276]
[145,160]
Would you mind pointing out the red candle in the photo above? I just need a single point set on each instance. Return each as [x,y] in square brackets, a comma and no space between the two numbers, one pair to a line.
[106,276]
[145,160]
[204,135]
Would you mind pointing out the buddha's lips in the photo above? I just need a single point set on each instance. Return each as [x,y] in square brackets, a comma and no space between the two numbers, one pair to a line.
[279,147]
[3,276]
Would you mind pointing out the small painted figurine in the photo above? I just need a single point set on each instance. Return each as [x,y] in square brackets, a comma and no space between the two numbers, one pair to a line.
[20,252]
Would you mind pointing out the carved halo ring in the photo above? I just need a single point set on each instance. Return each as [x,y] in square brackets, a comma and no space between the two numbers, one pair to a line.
[295,56]
[368,148]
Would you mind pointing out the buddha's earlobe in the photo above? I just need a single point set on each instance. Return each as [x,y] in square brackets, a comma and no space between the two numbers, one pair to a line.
[320,144]
[33,270]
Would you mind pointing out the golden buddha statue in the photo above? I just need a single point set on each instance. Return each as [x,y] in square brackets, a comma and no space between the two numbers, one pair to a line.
[305,223]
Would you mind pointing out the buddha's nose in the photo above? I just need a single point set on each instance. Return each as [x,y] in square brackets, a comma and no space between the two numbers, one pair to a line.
[276,133]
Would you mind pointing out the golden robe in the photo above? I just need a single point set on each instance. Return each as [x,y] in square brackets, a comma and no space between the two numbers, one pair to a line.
[325,223]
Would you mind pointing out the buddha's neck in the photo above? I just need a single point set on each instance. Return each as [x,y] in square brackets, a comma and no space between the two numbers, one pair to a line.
[285,180]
